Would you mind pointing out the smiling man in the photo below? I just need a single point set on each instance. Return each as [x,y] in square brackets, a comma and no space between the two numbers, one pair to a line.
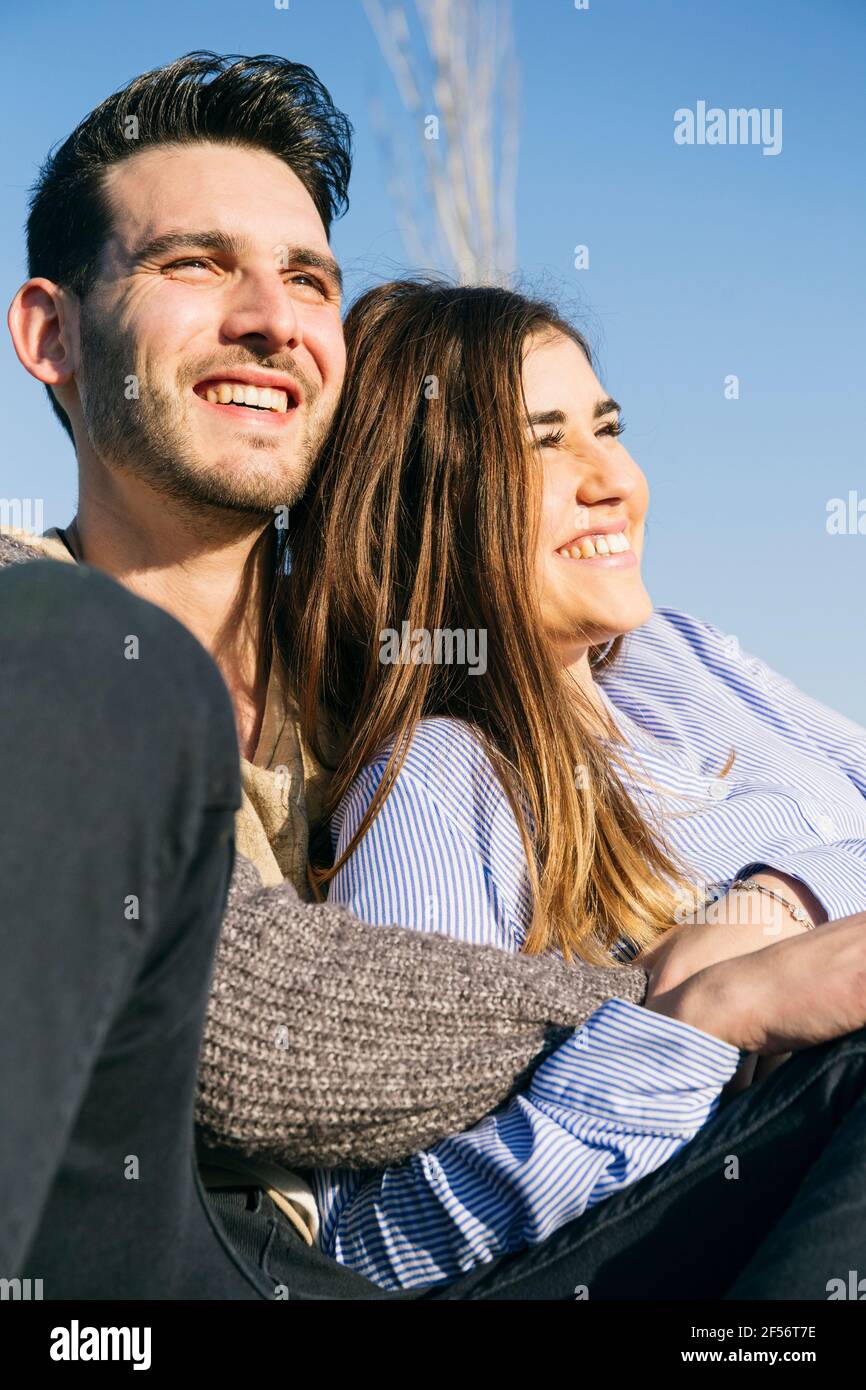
[198,272]
[183,312]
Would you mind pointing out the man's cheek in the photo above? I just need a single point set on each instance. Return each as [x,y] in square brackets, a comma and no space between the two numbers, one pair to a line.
[329,351]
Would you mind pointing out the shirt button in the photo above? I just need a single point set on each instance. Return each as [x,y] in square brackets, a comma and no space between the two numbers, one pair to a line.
[717,790]
[825,825]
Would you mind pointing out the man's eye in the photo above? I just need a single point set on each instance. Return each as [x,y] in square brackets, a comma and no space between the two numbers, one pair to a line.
[186,264]
[307,282]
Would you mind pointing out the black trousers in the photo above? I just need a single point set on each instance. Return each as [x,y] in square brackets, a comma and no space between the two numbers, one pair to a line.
[121,782]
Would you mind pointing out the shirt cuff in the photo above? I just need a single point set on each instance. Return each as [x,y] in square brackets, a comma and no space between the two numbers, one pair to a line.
[835,874]
[639,1070]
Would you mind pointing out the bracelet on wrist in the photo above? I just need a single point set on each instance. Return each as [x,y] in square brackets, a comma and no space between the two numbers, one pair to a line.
[751,885]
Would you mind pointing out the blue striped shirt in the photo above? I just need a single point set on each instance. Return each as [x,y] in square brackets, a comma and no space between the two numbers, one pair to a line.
[625,1092]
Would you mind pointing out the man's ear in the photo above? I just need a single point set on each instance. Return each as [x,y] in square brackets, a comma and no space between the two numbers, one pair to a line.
[43,322]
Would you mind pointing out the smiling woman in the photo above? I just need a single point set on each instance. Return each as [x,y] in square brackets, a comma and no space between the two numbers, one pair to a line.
[461,505]
[576,796]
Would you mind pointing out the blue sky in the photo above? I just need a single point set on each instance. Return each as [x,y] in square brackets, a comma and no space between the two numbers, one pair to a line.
[705,261]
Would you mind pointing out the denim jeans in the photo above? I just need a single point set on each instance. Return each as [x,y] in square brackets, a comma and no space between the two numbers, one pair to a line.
[116,845]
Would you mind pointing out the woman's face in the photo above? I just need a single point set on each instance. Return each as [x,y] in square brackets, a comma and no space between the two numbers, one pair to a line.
[592,487]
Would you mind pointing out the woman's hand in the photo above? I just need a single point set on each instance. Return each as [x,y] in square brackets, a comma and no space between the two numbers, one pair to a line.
[740,922]
[736,925]
[766,1001]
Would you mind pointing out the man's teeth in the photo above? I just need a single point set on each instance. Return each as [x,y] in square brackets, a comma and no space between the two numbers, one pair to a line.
[238,393]
[614,543]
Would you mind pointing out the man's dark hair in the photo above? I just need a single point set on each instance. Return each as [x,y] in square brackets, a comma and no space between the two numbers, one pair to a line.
[264,102]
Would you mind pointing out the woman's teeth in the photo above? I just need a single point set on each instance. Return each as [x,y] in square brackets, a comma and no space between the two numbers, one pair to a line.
[614,543]
[237,393]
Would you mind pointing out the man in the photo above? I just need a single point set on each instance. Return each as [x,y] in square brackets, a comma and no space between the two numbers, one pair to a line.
[183,310]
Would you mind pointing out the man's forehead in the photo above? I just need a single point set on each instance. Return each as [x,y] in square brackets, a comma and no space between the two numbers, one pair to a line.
[244,192]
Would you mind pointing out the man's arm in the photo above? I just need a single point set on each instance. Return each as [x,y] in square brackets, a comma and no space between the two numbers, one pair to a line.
[333,1043]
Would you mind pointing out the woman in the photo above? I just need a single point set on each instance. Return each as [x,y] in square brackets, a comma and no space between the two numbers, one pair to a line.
[534,757]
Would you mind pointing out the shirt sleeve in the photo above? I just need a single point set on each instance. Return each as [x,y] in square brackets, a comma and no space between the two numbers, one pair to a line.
[835,872]
[415,867]
[619,1098]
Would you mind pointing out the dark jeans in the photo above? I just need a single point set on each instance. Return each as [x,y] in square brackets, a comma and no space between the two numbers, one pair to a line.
[121,780]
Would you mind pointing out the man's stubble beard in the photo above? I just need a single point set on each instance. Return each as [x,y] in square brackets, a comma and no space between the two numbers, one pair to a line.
[146,436]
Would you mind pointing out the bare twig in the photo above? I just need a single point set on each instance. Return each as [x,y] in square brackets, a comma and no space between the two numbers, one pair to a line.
[454,60]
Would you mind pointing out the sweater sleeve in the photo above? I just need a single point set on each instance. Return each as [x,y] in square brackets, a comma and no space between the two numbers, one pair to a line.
[331,1043]
[615,1102]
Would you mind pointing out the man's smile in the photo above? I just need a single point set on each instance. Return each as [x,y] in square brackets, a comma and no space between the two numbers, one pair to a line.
[271,397]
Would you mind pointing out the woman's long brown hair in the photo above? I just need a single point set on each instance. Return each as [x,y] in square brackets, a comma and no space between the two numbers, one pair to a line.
[424,509]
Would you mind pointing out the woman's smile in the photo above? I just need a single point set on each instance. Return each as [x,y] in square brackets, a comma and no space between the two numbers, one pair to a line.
[608,547]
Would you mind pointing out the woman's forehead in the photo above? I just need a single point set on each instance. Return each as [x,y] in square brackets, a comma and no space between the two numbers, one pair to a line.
[555,368]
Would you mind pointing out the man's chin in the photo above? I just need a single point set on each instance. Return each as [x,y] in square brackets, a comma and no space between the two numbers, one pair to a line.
[251,480]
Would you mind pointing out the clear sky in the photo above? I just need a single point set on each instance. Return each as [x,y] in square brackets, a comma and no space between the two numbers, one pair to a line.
[705,261]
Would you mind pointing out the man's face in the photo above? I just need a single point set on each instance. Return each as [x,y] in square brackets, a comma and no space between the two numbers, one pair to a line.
[216,283]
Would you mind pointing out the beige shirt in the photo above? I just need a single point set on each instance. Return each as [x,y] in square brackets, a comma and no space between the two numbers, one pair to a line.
[283,787]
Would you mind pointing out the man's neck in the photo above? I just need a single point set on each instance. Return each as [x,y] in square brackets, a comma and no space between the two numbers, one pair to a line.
[210,571]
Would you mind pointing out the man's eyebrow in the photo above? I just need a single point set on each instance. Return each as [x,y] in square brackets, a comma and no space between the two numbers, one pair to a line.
[223,242]
[303,255]
[226,244]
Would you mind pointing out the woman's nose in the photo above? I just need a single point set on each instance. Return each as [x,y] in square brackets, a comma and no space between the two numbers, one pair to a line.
[602,472]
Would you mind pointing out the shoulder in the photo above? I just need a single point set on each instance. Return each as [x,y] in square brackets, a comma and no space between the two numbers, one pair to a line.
[446,767]
[17,546]
[671,638]
[448,797]
[444,852]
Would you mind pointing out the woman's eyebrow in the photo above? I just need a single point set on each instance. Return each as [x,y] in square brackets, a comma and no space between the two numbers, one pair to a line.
[547,417]
[607,406]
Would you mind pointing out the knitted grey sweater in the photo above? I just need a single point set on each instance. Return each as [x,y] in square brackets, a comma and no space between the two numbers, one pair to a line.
[332,1043]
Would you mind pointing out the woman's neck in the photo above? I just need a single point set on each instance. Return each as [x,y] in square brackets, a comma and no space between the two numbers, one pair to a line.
[600,722]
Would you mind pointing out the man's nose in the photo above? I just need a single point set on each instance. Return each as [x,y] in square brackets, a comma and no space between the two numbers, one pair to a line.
[262,313]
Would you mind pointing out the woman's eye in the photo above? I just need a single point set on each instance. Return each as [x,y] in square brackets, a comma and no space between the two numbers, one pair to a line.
[611,430]
[546,441]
